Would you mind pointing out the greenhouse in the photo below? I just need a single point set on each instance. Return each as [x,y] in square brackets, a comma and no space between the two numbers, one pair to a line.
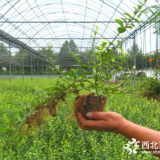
[57,56]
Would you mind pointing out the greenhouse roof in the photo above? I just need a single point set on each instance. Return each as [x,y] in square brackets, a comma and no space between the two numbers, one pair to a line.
[39,23]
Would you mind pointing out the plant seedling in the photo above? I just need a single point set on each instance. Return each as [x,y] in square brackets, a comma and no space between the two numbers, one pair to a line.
[101,64]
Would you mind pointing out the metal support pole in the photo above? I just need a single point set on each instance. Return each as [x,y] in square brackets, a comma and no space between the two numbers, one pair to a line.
[134,52]
[46,69]
[37,67]
[42,67]
[49,69]
[10,63]
[121,71]
[31,68]
[22,64]
[156,55]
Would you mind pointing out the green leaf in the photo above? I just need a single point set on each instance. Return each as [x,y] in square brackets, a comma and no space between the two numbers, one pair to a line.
[119,42]
[84,65]
[123,53]
[135,12]
[129,27]
[136,20]
[89,56]
[21,115]
[119,22]
[124,20]
[111,43]
[139,7]
[104,44]
[132,25]
[127,14]
[66,73]
[90,62]
[95,32]
[112,59]
[109,50]
[98,47]
[119,67]
[4,129]
[121,29]
[73,54]
[82,85]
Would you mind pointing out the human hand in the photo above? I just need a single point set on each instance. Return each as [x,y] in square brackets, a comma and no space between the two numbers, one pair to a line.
[101,121]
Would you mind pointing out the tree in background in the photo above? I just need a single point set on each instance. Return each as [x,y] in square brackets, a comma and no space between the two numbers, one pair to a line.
[135,50]
[66,59]
[73,47]
[48,51]
[20,54]
[68,48]
[3,49]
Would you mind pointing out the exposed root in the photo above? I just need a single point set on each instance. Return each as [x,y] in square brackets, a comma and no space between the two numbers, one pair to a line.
[88,103]
[41,114]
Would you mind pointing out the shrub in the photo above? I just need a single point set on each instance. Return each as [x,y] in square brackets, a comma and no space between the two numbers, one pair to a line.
[123,76]
[141,74]
[151,88]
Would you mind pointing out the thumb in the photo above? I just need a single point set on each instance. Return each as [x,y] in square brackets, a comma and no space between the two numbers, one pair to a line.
[96,115]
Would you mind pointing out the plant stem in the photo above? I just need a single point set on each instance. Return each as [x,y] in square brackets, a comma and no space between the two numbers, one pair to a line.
[78,82]
[96,77]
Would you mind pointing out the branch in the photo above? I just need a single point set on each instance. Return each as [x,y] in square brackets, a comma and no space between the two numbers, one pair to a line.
[124,27]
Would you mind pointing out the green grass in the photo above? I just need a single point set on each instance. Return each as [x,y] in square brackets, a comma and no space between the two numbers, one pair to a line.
[59,139]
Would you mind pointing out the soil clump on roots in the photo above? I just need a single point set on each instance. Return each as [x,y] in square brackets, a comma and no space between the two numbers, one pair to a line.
[89,103]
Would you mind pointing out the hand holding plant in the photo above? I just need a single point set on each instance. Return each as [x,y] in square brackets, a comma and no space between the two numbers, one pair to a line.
[101,121]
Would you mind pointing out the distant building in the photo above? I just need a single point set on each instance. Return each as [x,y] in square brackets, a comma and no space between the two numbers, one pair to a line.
[4,69]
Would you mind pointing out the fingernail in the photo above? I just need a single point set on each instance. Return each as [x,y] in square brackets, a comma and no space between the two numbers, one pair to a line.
[89,114]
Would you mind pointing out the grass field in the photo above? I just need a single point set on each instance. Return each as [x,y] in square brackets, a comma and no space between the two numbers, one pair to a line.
[60,139]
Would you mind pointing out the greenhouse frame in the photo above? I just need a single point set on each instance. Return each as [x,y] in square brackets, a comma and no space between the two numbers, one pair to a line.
[40,40]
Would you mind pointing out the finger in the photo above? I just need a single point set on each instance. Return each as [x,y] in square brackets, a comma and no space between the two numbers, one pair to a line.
[80,118]
[89,124]
[81,122]
[97,115]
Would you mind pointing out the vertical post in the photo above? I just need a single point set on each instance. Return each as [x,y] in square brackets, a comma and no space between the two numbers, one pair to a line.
[49,68]
[10,63]
[46,68]
[22,64]
[156,55]
[42,67]
[144,50]
[121,68]
[20,69]
[134,54]
[31,68]
[37,67]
